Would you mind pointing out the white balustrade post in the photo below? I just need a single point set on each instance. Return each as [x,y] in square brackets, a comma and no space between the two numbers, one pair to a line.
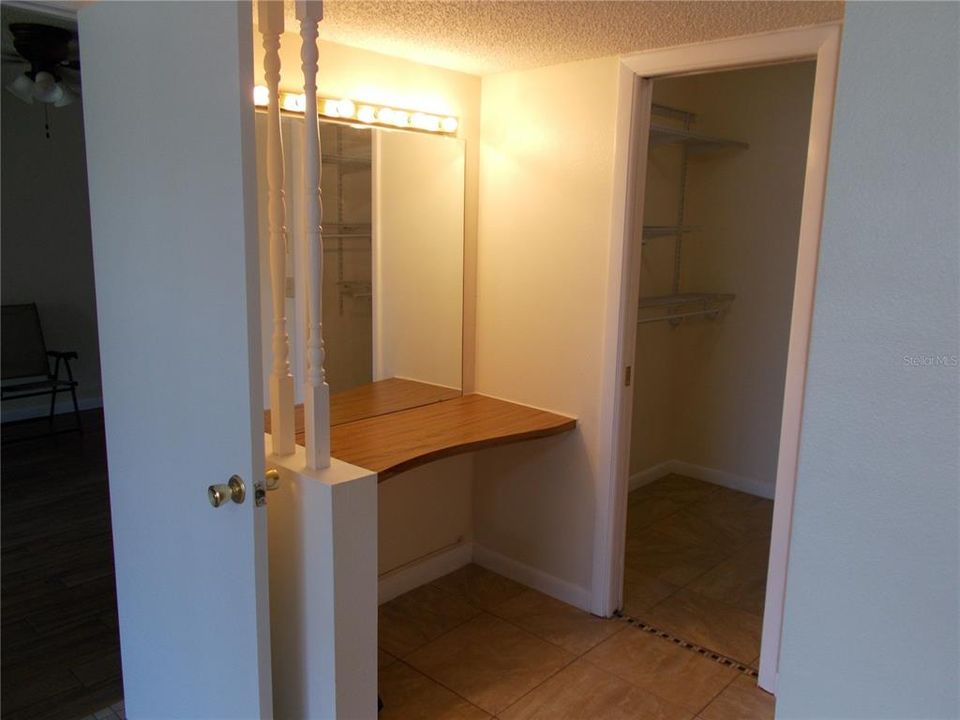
[281,381]
[316,392]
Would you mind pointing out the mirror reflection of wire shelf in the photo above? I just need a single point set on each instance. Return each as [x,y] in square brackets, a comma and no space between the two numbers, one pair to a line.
[355,289]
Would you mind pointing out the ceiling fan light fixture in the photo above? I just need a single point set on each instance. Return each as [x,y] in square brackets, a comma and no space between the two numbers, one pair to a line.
[46,88]
[51,53]
[66,98]
[22,87]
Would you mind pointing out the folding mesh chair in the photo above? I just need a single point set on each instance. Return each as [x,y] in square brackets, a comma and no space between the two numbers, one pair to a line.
[25,361]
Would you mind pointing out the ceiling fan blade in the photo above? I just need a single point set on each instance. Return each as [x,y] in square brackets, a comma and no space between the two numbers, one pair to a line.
[73,52]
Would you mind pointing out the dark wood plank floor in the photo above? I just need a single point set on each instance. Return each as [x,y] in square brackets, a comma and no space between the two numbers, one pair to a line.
[59,644]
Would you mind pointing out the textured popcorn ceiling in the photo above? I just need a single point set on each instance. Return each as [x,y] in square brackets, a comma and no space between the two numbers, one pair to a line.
[492,36]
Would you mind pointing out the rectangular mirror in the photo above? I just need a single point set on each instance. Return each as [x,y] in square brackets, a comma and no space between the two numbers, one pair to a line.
[393,265]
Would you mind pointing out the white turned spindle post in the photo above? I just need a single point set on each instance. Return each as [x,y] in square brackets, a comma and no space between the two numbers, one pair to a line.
[316,392]
[281,381]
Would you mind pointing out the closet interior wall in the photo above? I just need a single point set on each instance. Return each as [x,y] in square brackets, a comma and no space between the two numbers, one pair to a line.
[709,393]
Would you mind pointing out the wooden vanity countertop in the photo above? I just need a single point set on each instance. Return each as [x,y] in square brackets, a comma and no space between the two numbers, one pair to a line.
[376,398]
[391,443]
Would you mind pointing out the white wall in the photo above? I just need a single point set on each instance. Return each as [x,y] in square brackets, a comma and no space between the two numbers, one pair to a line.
[47,257]
[871,617]
[546,186]
[418,258]
[710,393]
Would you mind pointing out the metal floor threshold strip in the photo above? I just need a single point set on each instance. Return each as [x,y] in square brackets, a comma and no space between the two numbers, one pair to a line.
[720,658]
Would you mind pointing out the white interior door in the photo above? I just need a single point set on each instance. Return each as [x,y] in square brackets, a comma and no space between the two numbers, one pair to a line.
[170,153]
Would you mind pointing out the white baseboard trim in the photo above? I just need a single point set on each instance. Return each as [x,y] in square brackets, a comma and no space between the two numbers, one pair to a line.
[41,410]
[654,472]
[407,577]
[532,577]
[744,484]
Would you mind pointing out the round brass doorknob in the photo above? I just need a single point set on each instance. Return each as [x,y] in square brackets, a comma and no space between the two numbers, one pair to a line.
[232,490]
[272,476]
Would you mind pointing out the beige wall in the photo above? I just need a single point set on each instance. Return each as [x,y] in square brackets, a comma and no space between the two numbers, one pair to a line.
[656,384]
[710,393]
[425,510]
[545,196]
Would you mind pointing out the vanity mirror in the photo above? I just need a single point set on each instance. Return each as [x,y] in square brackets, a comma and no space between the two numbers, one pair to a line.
[393,265]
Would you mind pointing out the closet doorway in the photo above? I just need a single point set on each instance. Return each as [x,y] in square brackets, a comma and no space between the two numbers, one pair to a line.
[724,181]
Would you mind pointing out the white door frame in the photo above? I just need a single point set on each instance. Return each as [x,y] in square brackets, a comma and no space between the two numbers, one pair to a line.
[637,71]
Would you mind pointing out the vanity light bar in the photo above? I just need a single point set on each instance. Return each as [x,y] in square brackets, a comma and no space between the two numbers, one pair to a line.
[369,114]
[364,113]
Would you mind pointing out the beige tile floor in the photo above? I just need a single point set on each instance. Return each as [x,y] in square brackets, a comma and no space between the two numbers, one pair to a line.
[696,563]
[474,644]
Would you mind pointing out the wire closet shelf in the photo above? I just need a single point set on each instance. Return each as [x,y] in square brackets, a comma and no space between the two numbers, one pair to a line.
[678,306]
[683,305]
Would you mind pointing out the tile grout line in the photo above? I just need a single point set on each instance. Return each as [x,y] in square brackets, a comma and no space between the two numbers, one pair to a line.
[575,658]
[551,675]
[434,639]
[526,632]
[482,611]
[684,506]
[713,699]
[540,684]
[434,680]
[490,612]
[725,660]
[449,592]
[741,667]
[688,588]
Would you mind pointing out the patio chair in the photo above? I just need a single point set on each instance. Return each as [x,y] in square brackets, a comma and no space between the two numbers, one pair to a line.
[25,361]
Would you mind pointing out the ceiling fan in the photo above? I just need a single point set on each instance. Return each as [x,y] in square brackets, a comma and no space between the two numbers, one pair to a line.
[51,52]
